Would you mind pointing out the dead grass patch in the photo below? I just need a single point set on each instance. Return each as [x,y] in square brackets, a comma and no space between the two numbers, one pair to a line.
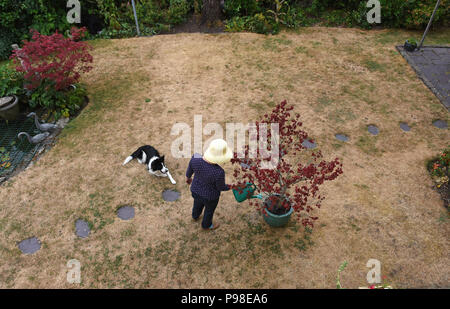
[340,80]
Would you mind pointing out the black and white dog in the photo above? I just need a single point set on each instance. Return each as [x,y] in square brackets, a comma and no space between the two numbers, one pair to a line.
[149,156]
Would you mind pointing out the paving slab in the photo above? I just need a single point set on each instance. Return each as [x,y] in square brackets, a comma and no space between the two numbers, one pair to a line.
[432,65]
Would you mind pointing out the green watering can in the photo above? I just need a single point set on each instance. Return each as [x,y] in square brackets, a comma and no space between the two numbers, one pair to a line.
[247,193]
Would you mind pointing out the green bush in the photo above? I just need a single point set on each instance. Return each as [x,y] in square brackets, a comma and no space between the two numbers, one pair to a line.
[296,16]
[152,14]
[11,81]
[7,39]
[17,17]
[60,103]
[257,23]
[411,14]
[234,8]
[440,166]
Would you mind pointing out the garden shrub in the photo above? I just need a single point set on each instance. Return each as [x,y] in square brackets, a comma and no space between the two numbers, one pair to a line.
[7,39]
[51,64]
[18,16]
[296,17]
[168,12]
[411,14]
[11,81]
[257,23]
[440,167]
[60,103]
[154,15]
[262,16]
[419,16]
[241,8]
[282,183]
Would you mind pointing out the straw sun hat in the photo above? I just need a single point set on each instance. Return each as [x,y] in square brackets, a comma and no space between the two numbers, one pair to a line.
[218,152]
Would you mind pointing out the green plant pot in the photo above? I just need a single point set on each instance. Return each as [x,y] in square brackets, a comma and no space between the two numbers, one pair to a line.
[11,110]
[277,220]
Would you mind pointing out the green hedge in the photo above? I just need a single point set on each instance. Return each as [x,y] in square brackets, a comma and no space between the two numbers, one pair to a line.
[46,16]
[409,14]
[17,17]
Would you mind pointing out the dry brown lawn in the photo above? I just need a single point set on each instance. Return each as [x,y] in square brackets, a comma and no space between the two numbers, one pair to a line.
[340,80]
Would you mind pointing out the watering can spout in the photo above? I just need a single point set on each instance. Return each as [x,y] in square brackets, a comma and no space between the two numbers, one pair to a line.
[246,193]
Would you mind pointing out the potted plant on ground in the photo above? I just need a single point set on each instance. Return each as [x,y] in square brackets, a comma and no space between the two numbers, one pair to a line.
[410,45]
[289,182]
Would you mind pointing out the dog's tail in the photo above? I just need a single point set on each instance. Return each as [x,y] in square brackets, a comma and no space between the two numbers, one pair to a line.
[128,159]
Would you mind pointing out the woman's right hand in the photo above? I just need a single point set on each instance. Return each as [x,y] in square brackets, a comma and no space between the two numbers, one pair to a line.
[188,180]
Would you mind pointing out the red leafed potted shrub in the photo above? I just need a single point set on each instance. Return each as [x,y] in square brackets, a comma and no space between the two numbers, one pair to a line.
[291,184]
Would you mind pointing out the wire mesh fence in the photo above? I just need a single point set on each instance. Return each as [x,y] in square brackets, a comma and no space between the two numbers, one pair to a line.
[16,151]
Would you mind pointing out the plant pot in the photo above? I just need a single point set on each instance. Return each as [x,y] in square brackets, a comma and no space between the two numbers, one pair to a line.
[276,220]
[410,46]
[9,107]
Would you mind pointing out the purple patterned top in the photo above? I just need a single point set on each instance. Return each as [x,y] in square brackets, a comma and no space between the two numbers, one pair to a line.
[209,179]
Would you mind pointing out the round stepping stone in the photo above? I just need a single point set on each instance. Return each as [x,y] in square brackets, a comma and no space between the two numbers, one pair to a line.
[306,143]
[405,127]
[441,124]
[244,165]
[82,228]
[373,129]
[30,245]
[342,137]
[170,195]
[125,213]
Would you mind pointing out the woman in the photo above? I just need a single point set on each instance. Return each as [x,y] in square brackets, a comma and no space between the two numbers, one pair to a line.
[209,181]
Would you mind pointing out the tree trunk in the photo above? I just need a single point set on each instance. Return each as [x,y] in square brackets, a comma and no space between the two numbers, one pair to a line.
[211,11]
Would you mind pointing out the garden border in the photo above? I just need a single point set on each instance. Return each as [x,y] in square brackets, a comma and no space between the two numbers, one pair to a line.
[43,147]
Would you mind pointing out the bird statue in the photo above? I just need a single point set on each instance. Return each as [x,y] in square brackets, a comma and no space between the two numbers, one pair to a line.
[44,127]
[35,139]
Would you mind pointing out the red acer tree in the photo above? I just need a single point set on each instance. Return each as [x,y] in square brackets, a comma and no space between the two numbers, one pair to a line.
[53,58]
[296,174]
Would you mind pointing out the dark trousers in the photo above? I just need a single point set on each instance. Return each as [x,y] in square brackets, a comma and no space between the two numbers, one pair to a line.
[201,203]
